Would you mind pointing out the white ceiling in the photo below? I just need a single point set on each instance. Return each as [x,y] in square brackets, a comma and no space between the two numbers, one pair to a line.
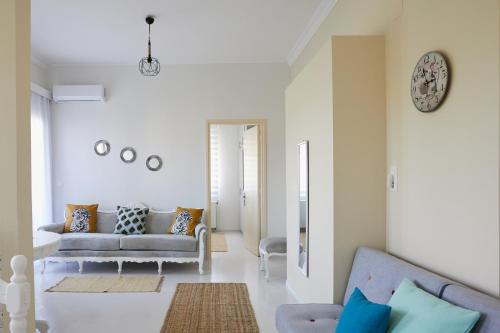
[185,31]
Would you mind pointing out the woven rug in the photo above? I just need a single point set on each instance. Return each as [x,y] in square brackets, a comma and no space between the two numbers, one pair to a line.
[219,243]
[109,284]
[210,308]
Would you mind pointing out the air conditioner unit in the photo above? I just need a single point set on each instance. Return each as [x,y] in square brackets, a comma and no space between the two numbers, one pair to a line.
[78,93]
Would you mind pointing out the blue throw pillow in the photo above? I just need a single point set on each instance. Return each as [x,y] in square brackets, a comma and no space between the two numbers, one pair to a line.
[362,316]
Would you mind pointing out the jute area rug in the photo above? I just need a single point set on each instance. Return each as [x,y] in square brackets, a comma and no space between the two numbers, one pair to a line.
[219,243]
[109,284]
[210,308]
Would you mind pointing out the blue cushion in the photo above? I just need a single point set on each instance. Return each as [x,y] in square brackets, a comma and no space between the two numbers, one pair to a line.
[362,316]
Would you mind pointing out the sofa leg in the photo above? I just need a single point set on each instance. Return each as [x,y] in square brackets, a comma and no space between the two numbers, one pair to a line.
[80,266]
[266,266]
[261,260]
[160,266]
[120,264]
[44,264]
[200,267]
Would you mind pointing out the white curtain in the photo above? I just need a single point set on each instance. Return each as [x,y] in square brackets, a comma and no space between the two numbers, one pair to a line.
[214,163]
[41,170]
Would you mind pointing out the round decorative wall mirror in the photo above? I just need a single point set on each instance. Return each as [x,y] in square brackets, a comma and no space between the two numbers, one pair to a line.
[128,155]
[154,163]
[102,148]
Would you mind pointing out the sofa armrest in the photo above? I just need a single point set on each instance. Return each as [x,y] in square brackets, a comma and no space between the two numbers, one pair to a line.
[198,230]
[54,227]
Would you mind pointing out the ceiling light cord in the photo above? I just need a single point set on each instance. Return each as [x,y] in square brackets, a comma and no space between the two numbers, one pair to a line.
[150,59]
[149,66]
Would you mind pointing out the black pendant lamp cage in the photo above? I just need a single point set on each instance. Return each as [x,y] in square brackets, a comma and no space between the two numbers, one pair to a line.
[149,66]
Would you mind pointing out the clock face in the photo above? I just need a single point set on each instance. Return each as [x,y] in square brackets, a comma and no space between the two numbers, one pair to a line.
[429,82]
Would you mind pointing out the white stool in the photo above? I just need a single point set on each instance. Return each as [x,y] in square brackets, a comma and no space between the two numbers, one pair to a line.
[268,247]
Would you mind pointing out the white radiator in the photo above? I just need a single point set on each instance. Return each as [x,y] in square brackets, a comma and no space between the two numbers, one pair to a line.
[214,207]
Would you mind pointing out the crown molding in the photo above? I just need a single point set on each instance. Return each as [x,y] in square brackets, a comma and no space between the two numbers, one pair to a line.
[319,15]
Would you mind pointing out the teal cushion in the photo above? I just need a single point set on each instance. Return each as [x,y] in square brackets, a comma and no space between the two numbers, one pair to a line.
[416,311]
[362,316]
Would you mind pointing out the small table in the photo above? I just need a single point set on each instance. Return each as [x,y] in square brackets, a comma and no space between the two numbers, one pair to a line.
[45,244]
[268,247]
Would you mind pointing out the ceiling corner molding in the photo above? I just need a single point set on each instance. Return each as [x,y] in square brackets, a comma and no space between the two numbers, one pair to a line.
[319,15]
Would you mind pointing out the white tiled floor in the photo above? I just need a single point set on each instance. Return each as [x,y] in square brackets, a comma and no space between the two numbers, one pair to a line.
[145,312]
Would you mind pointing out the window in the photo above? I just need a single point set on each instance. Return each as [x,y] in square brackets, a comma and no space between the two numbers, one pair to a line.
[214,163]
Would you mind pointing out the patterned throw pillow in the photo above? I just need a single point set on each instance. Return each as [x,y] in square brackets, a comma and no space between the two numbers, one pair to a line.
[131,221]
[80,218]
[185,221]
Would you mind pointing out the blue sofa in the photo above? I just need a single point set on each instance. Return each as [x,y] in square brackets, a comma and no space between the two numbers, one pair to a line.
[378,275]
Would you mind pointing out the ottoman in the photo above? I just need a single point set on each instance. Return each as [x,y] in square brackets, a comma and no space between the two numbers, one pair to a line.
[268,247]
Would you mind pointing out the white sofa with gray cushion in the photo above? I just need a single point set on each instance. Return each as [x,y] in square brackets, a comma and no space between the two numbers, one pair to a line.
[154,246]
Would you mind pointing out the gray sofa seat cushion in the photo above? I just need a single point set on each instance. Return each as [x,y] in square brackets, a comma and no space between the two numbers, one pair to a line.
[307,318]
[273,244]
[488,306]
[90,241]
[165,242]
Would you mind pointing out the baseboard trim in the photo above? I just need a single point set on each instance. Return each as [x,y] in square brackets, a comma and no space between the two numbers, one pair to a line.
[293,293]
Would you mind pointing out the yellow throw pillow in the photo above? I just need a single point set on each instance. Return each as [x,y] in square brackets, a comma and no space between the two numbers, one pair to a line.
[185,221]
[81,218]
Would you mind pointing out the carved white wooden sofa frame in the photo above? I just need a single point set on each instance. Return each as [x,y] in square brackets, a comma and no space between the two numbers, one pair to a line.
[16,295]
[120,260]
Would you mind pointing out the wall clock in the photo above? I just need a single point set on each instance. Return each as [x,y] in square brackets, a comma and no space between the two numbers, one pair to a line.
[429,82]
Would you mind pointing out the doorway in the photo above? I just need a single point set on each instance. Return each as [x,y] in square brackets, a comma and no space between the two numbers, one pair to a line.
[236,187]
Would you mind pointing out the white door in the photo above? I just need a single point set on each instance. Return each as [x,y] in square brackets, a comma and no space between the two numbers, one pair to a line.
[250,210]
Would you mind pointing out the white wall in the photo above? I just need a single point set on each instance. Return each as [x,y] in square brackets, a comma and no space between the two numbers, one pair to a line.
[40,74]
[445,215]
[164,115]
[229,195]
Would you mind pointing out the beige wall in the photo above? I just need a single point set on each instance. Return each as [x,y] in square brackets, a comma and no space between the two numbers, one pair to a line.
[350,17]
[347,144]
[309,117]
[445,214]
[15,191]
[359,148]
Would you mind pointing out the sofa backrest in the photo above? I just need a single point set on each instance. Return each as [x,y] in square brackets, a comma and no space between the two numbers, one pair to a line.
[488,306]
[106,222]
[157,222]
[378,274]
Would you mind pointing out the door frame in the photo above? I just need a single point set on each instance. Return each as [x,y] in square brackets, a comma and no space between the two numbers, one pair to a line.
[262,126]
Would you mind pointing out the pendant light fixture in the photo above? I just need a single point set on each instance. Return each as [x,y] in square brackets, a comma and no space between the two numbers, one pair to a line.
[149,66]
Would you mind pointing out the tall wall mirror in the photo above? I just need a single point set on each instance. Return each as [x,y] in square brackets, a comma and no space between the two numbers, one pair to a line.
[303,198]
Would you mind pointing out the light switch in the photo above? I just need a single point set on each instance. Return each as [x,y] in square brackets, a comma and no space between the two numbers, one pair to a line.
[393,179]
